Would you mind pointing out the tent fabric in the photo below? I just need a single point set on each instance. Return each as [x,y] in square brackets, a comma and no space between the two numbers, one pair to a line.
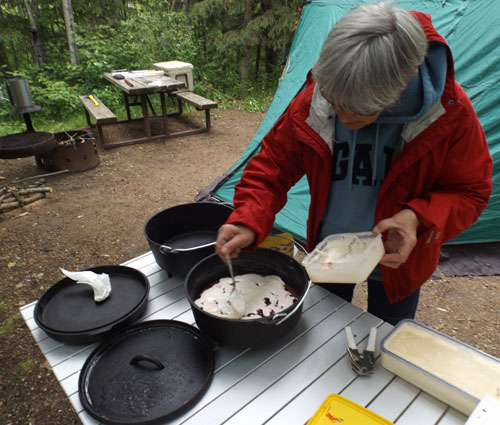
[472,30]
[470,259]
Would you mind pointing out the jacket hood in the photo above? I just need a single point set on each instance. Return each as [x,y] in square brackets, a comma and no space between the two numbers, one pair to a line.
[423,90]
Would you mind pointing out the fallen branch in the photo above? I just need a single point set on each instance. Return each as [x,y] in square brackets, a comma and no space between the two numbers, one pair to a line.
[41,175]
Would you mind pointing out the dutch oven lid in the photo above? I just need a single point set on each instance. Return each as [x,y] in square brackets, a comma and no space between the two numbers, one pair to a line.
[67,310]
[147,373]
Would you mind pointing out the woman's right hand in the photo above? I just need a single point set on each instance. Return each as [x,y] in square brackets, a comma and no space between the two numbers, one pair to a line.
[231,238]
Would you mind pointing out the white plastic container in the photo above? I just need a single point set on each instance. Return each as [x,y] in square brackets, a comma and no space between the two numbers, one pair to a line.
[344,258]
[181,71]
[453,372]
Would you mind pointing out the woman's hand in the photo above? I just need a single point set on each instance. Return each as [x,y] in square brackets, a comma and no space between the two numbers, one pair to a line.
[401,238]
[231,238]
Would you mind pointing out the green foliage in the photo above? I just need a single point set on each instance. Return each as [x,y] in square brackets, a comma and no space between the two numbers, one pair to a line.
[133,35]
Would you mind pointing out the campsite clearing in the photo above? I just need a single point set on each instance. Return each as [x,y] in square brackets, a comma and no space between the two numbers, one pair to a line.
[96,217]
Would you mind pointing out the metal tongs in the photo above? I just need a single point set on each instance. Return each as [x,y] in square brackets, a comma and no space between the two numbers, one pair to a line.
[362,361]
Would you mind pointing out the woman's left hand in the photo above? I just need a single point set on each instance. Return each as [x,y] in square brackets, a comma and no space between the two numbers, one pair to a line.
[401,238]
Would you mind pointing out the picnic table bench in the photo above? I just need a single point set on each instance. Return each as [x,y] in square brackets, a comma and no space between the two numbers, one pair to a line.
[199,102]
[100,113]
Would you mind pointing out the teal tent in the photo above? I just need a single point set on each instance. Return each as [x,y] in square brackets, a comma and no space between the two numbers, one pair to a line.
[471,28]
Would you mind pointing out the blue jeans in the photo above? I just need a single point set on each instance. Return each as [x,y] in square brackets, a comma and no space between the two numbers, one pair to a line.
[378,304]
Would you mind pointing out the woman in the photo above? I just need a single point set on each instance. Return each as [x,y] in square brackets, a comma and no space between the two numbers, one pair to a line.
[389,142]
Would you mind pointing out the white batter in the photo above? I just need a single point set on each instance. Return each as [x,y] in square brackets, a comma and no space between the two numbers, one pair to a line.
[255,296]
[342,250]
[454,363]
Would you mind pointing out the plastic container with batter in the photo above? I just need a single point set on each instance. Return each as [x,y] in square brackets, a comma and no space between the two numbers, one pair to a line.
[344,258]
[453,372]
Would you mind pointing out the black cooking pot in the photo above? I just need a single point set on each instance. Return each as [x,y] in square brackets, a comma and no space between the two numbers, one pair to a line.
[247,332]
[182,235]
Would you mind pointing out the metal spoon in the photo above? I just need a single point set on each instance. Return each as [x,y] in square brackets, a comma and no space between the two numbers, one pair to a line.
[236,298]
[231,273]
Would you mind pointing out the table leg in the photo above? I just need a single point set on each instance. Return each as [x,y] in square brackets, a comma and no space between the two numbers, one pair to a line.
[164,113]
[151,106]
[147,125]
[127,106]
[179,104]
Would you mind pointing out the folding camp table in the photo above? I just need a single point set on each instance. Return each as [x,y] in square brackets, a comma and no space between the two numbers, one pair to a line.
[282,383]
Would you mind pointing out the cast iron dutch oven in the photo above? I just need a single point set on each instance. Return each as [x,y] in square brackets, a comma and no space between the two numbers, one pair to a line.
[67,311]
[147,373]
[182,235]
[248,332]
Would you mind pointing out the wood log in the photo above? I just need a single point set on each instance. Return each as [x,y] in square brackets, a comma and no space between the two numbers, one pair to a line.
[16,195]
[30,190]
[7,198]
[28,200]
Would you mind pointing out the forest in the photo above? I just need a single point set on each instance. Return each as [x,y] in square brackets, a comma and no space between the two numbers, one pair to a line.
[63,48]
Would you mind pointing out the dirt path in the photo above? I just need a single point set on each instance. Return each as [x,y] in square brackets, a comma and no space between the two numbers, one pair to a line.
[96,217]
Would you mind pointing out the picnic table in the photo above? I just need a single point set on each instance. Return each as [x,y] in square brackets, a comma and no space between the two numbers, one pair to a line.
[138,88]
[281,383]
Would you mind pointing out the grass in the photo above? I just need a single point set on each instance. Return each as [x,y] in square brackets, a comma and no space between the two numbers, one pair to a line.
[12,124]
[27,365]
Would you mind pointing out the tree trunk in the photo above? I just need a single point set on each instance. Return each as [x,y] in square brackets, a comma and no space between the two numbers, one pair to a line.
[4,57]
[284,42]
[187,7]
[270,60]
[36,43]
[15,60]
[257,62]
[246,47]
[70,31]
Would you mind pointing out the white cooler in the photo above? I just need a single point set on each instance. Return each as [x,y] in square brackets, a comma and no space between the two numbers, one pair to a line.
[182,71]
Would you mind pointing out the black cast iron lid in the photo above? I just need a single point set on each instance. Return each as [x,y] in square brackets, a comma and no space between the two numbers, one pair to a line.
[147,373]
[67,310]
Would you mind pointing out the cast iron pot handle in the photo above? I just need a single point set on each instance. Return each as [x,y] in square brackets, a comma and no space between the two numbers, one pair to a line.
[282,315]
[144,357]
[164,249]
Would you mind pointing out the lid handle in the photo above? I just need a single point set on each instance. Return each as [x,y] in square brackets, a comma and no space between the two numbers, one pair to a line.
[148,359]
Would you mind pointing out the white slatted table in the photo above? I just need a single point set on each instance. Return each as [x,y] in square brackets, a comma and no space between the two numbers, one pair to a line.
[283,383]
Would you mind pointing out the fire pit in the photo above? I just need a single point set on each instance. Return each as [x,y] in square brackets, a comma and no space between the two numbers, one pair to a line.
[74,151]
[25,144]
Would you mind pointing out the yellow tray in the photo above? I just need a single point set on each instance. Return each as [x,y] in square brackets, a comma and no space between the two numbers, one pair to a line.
[337,409]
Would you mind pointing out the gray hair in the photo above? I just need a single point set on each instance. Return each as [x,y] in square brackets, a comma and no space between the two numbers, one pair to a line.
[369,57]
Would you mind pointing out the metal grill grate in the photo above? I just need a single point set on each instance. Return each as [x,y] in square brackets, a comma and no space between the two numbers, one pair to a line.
[26,144]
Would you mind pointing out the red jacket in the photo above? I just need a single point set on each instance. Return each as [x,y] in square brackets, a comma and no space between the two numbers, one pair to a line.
[443,173]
